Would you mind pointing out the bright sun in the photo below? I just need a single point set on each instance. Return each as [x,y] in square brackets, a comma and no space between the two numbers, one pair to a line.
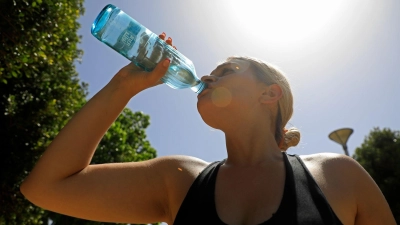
[284,21]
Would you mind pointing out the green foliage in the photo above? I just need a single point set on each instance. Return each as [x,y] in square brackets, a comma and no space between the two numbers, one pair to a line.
[380,156]
[125,141]
[39,92]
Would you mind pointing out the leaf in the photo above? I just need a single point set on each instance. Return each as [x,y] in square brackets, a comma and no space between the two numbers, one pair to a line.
[14,74]
[40,53]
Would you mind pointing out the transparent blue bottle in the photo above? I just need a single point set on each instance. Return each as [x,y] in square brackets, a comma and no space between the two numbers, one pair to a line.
[141,46]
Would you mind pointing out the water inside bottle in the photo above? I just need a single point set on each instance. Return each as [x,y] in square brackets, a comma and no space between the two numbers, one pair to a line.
[179,78]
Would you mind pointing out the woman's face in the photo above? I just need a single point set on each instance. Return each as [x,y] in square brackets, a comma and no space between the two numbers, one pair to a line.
[232,92]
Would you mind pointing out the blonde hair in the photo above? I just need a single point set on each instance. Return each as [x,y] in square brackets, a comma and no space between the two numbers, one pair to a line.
[269,74]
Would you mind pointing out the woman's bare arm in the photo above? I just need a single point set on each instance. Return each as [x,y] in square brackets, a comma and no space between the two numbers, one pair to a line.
[350,191]
[372,207]
[63,181]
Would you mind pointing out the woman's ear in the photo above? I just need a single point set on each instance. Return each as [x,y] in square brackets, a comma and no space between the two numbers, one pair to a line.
[271,94]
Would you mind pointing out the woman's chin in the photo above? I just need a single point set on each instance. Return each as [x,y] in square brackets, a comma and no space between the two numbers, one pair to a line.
[210,113]
[211,122]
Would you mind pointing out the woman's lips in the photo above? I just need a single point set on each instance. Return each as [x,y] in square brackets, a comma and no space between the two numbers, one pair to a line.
[204,91]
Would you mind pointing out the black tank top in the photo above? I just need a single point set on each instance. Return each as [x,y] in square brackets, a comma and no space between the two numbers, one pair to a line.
[302,203]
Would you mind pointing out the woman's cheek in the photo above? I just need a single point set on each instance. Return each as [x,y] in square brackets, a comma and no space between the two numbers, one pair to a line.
[221,97]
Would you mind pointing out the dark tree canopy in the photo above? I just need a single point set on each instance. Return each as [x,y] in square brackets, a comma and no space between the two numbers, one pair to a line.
[39,92]
[380,156]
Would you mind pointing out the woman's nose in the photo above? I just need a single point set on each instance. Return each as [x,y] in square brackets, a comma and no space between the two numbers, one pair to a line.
[208,78]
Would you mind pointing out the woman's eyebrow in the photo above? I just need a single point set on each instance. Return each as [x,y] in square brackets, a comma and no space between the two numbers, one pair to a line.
[219,67]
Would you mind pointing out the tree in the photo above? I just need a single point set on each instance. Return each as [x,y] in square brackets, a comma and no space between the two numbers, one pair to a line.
[379,154]
[39,92]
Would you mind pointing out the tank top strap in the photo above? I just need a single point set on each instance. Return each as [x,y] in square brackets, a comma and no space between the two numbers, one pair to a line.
[312,206]
[200,198]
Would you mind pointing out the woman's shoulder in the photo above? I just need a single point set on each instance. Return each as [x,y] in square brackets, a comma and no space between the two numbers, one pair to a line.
[337,176]
[349,189]
[328,161]
[325,157]
[180,169]
[330,169]
[333,168]
[179,173]
[189,163]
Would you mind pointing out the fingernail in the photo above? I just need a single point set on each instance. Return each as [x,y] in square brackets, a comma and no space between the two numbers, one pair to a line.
[163,34]
[166,62]
[169,39]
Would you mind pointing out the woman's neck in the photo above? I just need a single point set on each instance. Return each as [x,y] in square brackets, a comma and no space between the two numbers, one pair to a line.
[251,144]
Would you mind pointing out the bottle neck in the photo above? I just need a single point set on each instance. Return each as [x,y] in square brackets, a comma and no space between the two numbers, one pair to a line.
[199,87]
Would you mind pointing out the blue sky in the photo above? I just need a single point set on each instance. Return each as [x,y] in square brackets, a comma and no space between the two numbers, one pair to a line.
[341,58]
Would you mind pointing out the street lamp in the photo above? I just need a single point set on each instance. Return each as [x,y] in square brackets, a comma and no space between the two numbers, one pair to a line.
[341,136]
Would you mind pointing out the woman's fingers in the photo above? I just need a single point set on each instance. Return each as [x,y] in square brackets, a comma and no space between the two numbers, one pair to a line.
[168,41]
[162,36]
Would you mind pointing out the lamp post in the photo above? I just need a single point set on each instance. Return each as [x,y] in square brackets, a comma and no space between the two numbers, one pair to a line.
[341,136]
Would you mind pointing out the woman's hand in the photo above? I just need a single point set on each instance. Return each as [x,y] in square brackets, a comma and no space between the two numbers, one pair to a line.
[134,79]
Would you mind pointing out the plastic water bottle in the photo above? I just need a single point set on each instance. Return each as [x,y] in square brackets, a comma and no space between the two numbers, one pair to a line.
[141,46]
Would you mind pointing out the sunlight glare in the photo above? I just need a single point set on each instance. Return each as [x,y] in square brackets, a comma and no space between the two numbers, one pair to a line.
[284,22]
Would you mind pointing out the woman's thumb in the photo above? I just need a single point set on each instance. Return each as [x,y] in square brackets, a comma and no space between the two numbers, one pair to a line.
[160,70]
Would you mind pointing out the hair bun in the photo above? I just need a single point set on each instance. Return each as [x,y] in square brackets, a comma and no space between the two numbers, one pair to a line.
[291,137]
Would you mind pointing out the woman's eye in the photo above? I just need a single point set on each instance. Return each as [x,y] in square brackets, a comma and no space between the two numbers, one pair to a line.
[226,70]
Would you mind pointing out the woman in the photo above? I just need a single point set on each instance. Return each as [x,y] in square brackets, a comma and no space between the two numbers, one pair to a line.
[258,183]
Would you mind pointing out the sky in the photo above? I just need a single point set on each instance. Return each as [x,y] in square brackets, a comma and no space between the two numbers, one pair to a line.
[341,58]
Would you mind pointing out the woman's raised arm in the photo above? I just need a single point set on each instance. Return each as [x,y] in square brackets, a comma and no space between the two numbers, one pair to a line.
[63,181]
